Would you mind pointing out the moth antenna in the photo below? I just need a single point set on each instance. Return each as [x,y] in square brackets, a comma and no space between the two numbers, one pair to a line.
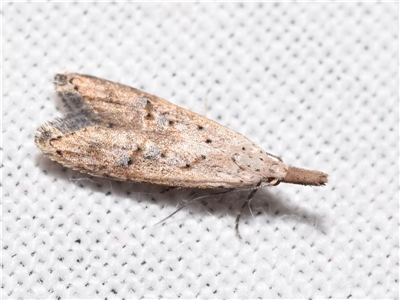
[183,206]
[305,177]
[186,204]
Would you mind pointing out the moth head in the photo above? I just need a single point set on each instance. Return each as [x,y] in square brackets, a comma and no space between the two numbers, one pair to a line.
[261,165]
[275,169]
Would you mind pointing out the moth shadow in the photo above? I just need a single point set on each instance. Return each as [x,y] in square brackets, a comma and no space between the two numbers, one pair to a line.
[265,203]
[209,202]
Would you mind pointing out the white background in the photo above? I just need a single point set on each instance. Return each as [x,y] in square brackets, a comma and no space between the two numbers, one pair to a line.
[315,83]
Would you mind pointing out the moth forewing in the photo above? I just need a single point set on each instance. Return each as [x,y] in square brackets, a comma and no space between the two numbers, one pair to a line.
[118,132]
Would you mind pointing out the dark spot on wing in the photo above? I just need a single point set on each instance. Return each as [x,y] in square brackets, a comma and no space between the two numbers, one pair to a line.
[148,106]
[208,141]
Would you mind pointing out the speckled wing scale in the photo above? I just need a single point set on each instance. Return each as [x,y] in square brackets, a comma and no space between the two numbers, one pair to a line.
[118,132]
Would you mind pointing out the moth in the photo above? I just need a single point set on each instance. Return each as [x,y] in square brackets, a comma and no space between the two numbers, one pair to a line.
[118,132]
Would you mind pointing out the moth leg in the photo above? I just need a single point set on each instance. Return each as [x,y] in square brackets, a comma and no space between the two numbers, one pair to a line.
[239,212]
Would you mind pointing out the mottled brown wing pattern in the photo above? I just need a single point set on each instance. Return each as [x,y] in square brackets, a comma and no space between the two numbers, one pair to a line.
[118,132]
[122,133]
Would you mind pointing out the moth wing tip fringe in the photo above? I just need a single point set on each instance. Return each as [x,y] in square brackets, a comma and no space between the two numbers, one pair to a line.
[59,127]
[61,79]
[71,97]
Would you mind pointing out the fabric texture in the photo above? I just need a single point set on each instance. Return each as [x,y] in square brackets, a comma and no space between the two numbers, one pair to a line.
[315,83]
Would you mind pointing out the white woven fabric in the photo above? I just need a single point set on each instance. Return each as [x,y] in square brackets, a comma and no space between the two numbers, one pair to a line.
[315,83]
